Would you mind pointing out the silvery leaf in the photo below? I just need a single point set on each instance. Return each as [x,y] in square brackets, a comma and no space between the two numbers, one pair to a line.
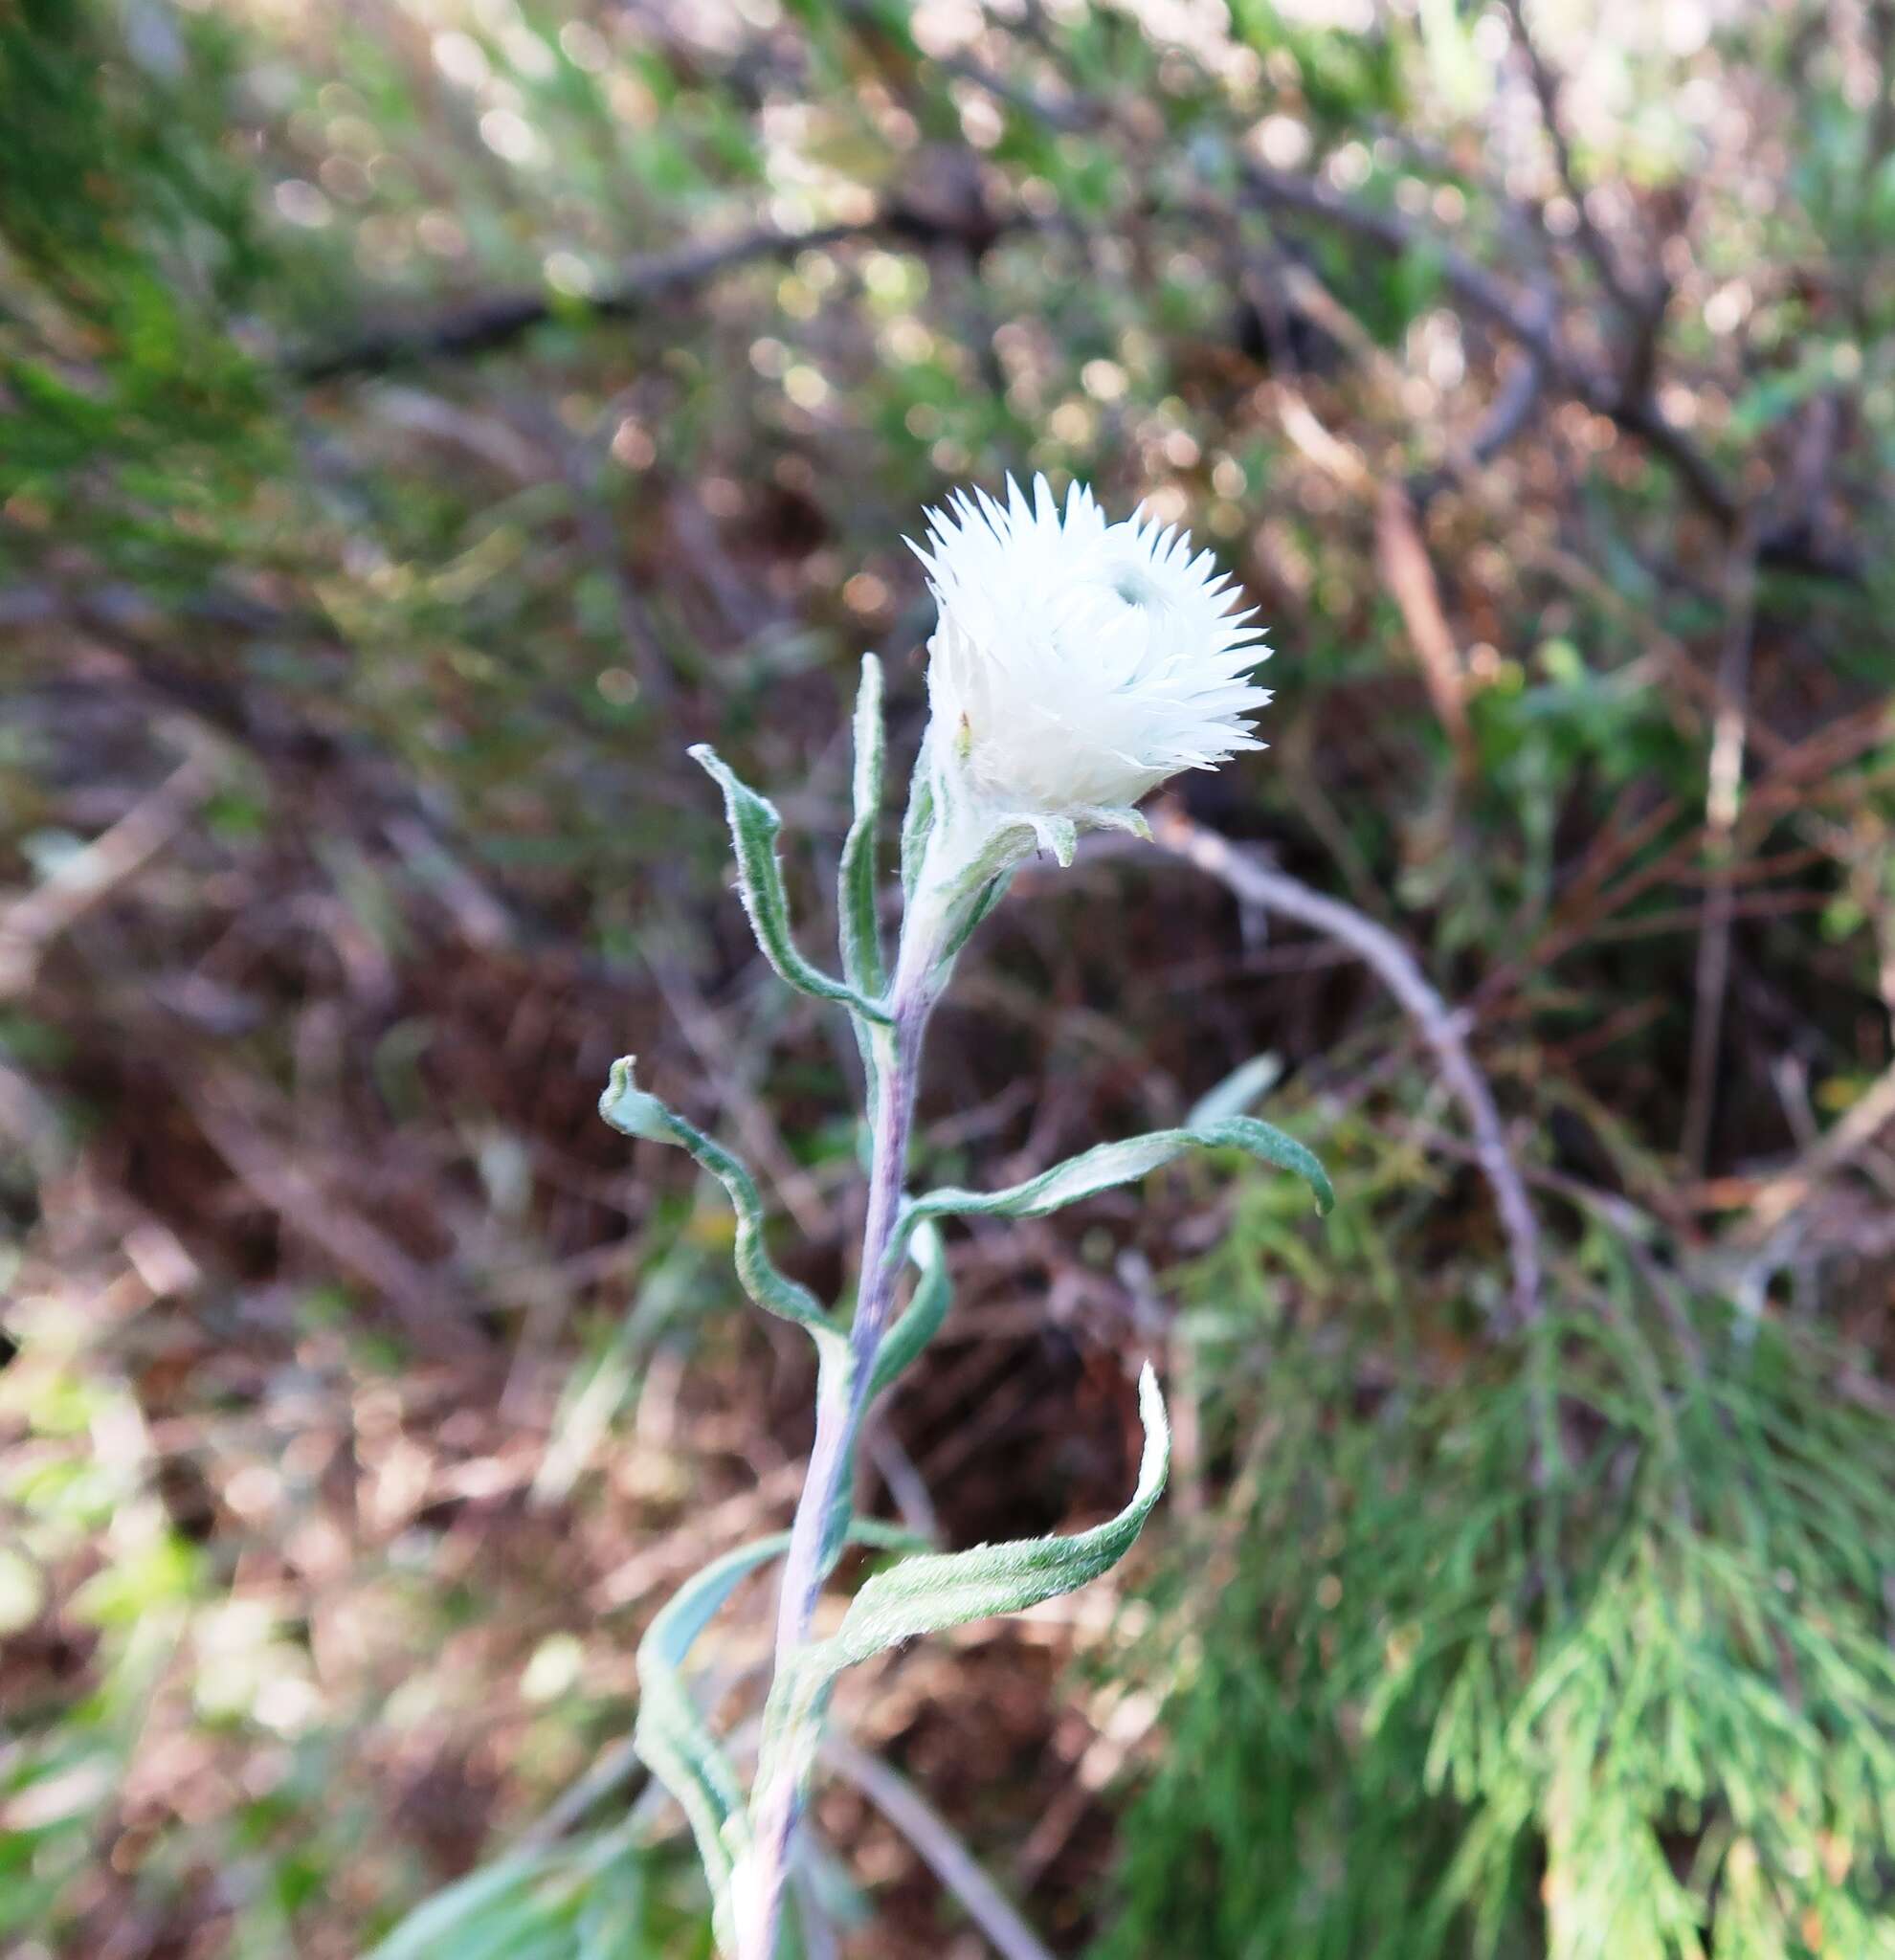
[861,933]
[754,825]
[923,1314]
[635,1113]
[980,884]
[1246,1084]
[912,1331]
[1109,1163]
[918,819]
[1058,834]
[935,1590]
[674,1740]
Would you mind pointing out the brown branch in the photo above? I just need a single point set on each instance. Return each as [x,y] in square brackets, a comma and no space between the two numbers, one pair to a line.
[651,284]
[1839,1146]
[1511,408]
[1478,290]
[1634,409]
[1728,727]
[227,1117]
[1407,572]
[648,284]
[943,1853]
[1254,883]
[32,923]
[1637,306]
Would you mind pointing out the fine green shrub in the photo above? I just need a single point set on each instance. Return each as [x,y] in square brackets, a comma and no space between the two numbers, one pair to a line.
[1448,1698]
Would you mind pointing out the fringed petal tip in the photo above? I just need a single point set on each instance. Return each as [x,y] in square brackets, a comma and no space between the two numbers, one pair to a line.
[1081,661]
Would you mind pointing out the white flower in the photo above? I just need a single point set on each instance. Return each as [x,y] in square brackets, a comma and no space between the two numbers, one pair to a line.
[1079,664]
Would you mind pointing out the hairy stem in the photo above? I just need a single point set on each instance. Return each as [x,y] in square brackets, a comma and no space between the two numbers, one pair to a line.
[842,1402]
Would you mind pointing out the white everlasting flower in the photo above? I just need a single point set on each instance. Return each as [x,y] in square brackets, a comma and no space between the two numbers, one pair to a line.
[1079,664]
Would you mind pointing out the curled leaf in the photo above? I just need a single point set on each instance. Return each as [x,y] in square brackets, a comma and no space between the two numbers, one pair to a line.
[934,1590]
[753,828]
[637,1113]
[673,1739]
[1110,1163]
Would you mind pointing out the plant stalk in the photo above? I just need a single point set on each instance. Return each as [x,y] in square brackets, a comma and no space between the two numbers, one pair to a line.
[842,1402]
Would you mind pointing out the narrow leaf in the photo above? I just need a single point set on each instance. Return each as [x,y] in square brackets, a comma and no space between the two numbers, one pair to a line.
[477,1898]
[911,1332]
[924,1312]
[934,1590]
[673,1739]
[918,819]
[1109,1163]
[753,828]
[984,902]
[635,1113]
[861,933]
[982,883]
[974,883]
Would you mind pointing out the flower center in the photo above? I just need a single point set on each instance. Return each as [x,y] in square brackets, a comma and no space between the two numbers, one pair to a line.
[1134,585]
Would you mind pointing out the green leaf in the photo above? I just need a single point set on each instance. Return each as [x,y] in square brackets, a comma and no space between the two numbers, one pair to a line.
[1098,1170]
[635,1113]
[989,897]
[479,1899]
[1058,834]
[856,878]
[935,1590]
[982,881]
[924,1312]
[965,891]
[673,1739]
[918,819]
[754,825]
[861,934]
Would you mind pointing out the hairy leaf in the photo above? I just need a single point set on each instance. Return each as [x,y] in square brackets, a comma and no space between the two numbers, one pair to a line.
[861,934]
[935,1590]
[924,1312]
[673,1739]
[1247,1083]
[1108,1163]
[754,825]
[635,1113]
[918,819]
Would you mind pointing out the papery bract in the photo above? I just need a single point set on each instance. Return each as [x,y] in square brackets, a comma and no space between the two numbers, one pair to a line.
[1079,664]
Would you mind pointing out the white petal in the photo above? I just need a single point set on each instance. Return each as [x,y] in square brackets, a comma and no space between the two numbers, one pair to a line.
[1080,664]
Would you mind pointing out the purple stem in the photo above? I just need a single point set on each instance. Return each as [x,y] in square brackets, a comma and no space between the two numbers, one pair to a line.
[841,1404]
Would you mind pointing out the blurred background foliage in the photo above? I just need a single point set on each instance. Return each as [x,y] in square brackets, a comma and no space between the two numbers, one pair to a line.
[419,420]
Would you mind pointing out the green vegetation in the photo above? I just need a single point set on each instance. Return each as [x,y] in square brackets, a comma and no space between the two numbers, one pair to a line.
[1441,1696]
[420,422]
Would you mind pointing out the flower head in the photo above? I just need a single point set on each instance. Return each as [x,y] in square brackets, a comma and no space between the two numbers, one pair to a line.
[1079,664]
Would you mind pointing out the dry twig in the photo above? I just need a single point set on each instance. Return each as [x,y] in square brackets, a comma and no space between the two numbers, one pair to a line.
[1729,726]
[648,284]
[944,1854]
[32,923]
[1444,1030]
